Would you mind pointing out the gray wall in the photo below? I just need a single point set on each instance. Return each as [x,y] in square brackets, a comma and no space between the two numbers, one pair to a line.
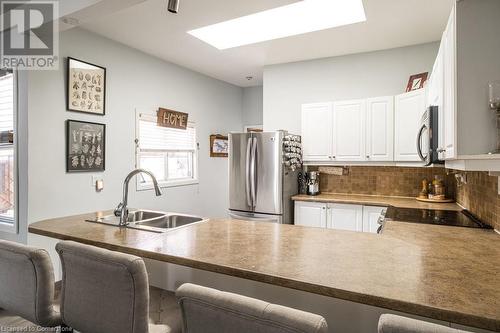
[134,80]
[252,105]
[478,50]
[364,75]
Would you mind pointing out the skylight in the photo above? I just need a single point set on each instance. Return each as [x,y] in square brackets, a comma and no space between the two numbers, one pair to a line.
[290,20]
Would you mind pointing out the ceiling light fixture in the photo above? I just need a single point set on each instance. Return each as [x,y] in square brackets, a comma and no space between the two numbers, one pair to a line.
[290,20]
[173,6]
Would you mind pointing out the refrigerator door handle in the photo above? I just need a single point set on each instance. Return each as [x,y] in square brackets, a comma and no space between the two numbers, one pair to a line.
[253,173]
[248,185]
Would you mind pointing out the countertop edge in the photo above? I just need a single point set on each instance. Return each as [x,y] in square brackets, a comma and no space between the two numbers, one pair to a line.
[375,200]
[390,304]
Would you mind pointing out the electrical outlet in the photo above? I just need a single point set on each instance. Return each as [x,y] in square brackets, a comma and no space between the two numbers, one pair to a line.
[97,183]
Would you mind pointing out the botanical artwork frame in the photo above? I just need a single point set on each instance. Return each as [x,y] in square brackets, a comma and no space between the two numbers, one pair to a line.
[417,81]
[219,145]
[86,87]
[85,146]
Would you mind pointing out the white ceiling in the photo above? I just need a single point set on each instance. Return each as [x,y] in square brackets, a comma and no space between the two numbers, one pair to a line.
[148,26]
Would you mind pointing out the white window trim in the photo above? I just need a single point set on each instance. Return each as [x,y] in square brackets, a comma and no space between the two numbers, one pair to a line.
[13,228]
[169,183]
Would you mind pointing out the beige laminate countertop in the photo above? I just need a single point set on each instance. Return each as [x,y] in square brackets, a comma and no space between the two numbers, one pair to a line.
[375,200]
[445,273]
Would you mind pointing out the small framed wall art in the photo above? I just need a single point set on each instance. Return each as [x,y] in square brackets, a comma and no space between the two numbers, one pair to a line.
[219,145]
[85,146]
[86,85]
[252,129]
[417,81]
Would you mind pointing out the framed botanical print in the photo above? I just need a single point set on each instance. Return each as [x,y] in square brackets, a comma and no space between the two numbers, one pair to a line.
[86,87]
[85,146]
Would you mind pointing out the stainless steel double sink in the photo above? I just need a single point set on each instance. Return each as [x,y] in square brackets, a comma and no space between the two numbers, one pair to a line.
[150,220]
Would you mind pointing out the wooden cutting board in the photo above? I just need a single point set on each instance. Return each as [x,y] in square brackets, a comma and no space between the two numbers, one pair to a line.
[435,201]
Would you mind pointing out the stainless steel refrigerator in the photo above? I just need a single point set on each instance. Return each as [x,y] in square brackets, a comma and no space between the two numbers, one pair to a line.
[263,171]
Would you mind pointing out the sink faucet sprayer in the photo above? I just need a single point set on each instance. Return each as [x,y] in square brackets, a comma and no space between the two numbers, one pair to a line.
[122,210]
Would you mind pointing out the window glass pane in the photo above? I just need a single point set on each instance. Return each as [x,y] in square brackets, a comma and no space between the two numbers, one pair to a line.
[7,185]
[6,106]
[155,164]
[180,165]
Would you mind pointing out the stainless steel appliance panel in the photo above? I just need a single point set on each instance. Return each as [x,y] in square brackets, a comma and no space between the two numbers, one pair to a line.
[240,159]
[249,216]
[266,172]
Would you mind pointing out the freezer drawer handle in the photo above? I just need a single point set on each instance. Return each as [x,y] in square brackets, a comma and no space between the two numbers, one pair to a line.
[256,219]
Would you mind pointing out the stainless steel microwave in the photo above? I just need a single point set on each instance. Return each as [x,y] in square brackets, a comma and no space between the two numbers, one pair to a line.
[427,137]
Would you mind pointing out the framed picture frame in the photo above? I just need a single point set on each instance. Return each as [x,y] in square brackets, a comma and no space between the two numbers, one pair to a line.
[219,145]
[417,81]
[252,128]
[85,146]
[86,87]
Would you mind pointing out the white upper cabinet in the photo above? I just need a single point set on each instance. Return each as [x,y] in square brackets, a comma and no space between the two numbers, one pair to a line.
[449,89]
[409,108]
[317,133]
[349,130]
[345,217]
[380,129]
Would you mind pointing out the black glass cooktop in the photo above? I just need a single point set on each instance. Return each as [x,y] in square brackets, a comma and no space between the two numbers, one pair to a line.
[439,217]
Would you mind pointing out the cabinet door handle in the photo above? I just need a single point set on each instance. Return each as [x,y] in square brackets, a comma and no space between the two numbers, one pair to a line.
[367,156]
[441,150]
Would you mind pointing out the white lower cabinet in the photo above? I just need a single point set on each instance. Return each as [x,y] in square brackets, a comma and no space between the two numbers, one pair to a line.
[371,214]
[337,216]
[310,214]
[345,217]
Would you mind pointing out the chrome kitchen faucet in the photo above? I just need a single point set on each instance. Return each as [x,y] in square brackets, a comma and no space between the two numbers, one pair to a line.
[122,209]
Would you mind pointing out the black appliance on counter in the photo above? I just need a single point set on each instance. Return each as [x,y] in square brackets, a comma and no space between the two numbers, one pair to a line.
[451,218]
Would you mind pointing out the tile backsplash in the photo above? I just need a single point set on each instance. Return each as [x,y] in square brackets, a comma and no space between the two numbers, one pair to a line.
[390,181]
[479,195]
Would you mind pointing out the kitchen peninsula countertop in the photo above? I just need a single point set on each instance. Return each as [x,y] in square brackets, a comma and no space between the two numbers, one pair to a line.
[445,273]
[375,200]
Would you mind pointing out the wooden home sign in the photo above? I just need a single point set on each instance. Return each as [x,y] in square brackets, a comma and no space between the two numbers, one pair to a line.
[172,119]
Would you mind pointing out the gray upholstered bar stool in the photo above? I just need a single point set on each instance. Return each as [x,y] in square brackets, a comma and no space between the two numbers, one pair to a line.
[26,288]
[106,292]
[397,324]
[206,310]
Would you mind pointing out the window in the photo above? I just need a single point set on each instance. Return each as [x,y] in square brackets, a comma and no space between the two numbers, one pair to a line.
[169,153]
[8,172]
